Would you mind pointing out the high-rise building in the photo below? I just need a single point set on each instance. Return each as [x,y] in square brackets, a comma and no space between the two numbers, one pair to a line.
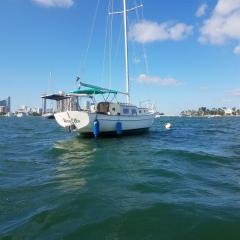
[9,104]
[6,103]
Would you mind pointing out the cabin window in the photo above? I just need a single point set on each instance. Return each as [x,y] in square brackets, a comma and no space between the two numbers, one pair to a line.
[113,109]
[140,111]
[134,111]
[103,107]
[125,111]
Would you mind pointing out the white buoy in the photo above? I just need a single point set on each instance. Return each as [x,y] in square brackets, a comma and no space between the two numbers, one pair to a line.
[168,125]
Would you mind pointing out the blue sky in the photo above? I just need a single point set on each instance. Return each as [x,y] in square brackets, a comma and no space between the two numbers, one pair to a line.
[192,49]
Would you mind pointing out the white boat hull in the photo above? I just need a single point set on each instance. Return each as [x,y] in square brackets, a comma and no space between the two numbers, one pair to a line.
[48,116]
[21,114]
[83,121]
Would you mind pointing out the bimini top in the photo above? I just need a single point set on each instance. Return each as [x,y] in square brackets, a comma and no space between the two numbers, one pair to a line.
[56,96]
[91,90]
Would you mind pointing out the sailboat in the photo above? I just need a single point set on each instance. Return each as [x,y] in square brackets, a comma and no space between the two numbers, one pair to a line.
[103,117]
[47,114]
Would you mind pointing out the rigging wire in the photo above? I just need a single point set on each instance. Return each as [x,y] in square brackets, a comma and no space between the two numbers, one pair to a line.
[110,45]
[84,59]
[140,18]
[133,47]
[105,43]
[118,41]
[118,60]
[130,84]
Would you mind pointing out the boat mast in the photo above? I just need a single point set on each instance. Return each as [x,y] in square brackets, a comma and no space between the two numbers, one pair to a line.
[126,50]
[124,12]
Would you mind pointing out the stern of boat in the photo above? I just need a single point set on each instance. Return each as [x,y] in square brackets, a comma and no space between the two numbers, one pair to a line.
[77,119]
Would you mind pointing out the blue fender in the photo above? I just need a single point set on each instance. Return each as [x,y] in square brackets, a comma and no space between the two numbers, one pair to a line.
[96,128]
[119,128]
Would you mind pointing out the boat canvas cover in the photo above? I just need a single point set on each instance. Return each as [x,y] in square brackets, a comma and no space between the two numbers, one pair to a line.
[103,107]
[57,97]
[91,89]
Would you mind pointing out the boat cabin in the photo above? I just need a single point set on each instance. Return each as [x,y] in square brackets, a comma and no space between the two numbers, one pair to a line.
[108,108]
[84,100]
[63,102]
[122,109]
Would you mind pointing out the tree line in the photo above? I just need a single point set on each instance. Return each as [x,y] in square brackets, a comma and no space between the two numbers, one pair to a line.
[204,111]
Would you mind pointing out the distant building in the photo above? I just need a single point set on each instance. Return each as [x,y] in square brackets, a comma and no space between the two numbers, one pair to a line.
[36,110]
[6,104]
[228,111]
[9,104]
[2,110]
[23,109]
[39,110]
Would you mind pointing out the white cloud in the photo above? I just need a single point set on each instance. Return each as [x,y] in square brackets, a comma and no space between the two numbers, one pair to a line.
[204,89]
[55,3]
[147,31]
[237,50]
[223,25]
[168,81]
[225,7]
[226,100]
[136,60]
[201,10]
[235,92]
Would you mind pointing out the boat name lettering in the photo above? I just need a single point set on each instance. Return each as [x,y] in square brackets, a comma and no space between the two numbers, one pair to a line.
[72,120]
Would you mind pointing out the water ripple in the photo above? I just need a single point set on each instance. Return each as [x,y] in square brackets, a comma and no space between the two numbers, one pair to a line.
[177,184]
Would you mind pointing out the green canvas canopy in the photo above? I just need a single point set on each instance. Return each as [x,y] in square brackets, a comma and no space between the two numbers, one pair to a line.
[55,96]
[91,89]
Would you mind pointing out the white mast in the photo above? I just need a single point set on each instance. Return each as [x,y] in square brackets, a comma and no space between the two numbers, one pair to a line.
[126,50]
[124,12]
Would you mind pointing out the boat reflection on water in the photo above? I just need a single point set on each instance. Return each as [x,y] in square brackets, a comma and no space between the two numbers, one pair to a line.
[81,162]
[75,156]
[75,149]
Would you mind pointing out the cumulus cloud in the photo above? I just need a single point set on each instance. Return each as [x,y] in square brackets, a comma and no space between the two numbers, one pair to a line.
[226,100]
[235,92]
[148,31]
[203,89]
[55,3]
[225,7]
[136,60]
[237,50]
[201,10]
[223,25]
[168,81]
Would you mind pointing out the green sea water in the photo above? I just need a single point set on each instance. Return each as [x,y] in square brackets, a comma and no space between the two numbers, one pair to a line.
[182,183]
